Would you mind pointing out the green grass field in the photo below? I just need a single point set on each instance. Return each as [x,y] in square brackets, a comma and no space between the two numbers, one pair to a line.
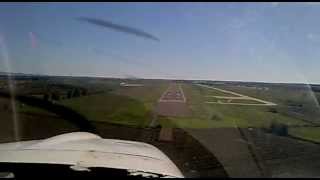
[131,106]
[33,110]
[147,94]
[246,101]
[222,100]
[309,133]
[218,115]
[280,95]
[31,122]
[111,108]
[212,92]
[22,108]
[187,122]
[134,106]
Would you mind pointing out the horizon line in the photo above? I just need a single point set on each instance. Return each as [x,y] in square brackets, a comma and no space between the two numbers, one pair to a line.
[177,79]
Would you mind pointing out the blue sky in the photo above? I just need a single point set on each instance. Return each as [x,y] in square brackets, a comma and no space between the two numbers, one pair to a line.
[270,42]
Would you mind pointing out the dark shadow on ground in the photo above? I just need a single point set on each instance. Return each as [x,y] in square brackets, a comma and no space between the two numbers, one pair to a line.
[64,112]
[193,159]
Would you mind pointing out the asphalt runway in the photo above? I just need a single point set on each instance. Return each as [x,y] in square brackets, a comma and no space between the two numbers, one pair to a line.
[173,102]
[174,93]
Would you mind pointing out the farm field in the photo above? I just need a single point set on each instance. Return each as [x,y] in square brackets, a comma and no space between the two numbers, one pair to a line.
[308,133]
[206,115]
[295,107]
[148,94]
[138,109]
[111,108]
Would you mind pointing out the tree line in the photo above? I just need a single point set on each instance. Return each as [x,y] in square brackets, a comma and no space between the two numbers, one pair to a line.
[58,95]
